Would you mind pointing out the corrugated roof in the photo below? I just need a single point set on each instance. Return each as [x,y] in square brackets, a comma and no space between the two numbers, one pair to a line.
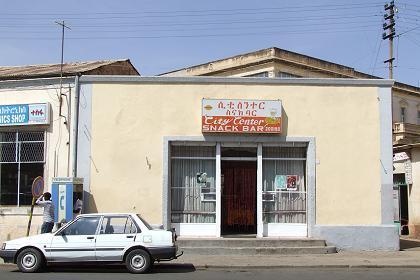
[53,70]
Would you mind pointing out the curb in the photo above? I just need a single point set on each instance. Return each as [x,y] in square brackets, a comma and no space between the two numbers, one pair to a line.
[346,266]
[256,267]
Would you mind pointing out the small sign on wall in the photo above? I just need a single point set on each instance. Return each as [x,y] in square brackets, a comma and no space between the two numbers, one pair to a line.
[24,114]
[241,116]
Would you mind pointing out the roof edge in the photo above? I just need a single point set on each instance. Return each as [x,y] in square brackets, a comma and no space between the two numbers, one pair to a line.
[237,80]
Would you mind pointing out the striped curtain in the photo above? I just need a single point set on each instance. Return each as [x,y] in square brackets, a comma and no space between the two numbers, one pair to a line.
[284,205]
[188,203]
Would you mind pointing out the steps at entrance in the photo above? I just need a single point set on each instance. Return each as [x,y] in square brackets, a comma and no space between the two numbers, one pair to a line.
[253,246]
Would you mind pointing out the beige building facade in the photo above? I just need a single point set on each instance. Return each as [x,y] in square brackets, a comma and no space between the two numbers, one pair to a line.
[283,64]
[141,147]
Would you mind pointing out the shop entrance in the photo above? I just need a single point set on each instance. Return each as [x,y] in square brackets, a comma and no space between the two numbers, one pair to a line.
[239,190]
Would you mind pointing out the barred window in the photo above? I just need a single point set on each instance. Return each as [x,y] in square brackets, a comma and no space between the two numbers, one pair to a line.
[22,159]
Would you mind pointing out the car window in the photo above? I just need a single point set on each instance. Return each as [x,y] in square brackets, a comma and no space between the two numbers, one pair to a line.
[117,225]
[82,226]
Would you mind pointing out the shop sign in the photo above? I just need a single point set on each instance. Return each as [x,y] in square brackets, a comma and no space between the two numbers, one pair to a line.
[24,114]
[241,116]
[400,156]
[408,172]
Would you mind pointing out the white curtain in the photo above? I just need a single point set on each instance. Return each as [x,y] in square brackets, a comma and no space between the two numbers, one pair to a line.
[188,205]
[284,205]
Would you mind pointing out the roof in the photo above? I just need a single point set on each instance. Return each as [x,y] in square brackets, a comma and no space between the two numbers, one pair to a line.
[103,67]
[222,66]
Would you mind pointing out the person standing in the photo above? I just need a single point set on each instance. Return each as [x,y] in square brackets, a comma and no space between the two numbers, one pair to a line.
[48,216]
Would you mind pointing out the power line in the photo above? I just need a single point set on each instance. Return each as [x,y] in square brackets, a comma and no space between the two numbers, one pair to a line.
[284,8]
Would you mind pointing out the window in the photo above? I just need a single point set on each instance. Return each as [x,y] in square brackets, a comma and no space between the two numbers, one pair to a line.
[418,117]
[118,225]
[21,161]
[284,184]
[287,75]
[258,75]
[82,226]
[403,115]
[190,197]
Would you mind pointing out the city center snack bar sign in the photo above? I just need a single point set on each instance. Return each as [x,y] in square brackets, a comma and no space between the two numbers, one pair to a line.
[241,116]
[24,114]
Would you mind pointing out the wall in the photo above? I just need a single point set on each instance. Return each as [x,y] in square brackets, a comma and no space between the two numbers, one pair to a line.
[129,122]
[414,195]
[14,220]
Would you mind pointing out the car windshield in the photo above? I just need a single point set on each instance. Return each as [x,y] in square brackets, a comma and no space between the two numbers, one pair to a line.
[144,222]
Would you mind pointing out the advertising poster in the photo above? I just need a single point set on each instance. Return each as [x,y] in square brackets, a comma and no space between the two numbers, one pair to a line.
[280,182]
[291,182]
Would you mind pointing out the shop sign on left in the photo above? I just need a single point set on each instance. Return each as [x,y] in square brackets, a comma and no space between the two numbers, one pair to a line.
[24,114]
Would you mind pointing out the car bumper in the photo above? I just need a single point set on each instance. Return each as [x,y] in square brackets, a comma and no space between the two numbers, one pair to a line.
[163,253]
[8,255]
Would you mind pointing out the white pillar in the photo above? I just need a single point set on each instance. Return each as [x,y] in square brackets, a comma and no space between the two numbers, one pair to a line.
[260,226]
[218,191]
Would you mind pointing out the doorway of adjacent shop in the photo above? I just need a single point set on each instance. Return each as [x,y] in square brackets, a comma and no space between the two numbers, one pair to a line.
[239,191]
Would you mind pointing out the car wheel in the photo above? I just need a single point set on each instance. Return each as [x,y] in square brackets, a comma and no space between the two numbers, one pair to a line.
[30,260]
[138,261]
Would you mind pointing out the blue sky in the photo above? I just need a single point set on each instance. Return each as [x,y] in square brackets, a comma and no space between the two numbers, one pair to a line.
[159,36]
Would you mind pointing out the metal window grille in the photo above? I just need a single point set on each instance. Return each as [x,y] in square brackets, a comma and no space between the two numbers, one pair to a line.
[22,147]
[19,148]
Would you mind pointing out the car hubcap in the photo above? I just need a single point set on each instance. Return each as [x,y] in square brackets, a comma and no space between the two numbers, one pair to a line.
[28,260]
[138,261]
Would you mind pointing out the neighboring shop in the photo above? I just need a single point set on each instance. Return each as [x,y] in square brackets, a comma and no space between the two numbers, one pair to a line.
[34,141]
[216,157]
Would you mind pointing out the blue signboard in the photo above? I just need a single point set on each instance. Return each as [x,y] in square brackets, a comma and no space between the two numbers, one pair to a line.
[24,114]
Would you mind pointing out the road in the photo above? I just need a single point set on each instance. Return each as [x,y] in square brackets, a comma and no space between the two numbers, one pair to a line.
[174,272]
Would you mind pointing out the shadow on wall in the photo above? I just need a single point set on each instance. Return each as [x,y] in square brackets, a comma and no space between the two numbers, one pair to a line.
[285,122]
[90,203]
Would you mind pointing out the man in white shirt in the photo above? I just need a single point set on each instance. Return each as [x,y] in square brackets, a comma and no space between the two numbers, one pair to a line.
[78,205]
[48,216]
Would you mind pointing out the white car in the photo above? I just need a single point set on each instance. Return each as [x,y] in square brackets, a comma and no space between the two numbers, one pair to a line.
[109,238]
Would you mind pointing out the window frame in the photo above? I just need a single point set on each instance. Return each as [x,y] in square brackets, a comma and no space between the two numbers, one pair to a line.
[19,142]
[60,231]
[136,226]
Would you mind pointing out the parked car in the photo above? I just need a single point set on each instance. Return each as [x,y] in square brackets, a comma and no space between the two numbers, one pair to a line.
[109,238]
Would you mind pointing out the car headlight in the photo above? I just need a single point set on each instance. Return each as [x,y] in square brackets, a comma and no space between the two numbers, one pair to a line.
[3,246]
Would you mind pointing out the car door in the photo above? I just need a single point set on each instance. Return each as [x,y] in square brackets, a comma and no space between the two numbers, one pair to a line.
[116,233]
[75,242]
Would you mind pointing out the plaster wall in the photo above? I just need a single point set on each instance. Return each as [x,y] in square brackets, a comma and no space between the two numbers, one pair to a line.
[129,122]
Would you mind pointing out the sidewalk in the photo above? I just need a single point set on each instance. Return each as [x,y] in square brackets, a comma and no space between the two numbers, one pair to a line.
[401,259]
[408,258]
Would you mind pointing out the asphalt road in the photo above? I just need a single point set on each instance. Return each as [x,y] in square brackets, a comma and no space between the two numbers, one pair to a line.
[173,272]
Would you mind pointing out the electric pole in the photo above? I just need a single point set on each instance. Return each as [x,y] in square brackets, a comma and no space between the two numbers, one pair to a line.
[389,25]
[63,26]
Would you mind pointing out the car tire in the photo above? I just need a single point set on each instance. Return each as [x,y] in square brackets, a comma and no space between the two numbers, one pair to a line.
[30,260]
[138,261]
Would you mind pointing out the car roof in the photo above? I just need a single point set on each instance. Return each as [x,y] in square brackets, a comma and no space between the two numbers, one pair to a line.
[107,214]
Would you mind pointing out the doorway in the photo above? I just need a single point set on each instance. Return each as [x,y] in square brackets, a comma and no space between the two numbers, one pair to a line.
[239,191]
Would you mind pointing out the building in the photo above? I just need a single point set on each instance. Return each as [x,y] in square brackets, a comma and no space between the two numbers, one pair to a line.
[37,133]
[215,156]
[279,63]
[152,145]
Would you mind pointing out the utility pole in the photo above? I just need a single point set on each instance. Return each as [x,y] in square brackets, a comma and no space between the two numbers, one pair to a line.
[63,26]
[389,25]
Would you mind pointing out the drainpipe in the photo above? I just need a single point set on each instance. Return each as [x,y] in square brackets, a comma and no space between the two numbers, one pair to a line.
[75,124]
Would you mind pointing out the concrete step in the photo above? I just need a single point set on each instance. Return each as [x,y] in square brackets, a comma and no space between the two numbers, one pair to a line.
[258,250]
[249,242]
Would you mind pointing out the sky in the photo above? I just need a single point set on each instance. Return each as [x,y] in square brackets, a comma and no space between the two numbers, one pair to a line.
[160,36]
